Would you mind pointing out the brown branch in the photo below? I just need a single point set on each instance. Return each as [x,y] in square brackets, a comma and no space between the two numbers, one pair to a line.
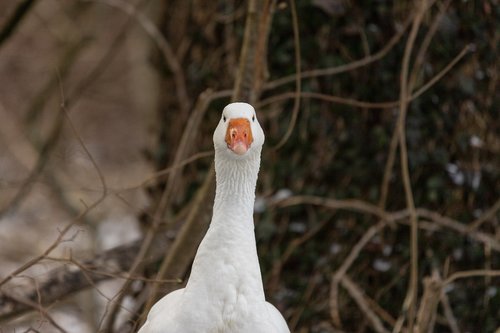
[448,313]
[354,205]
[389,165]
[412,294]
[471,273]
[424,46]
[328,98]
[427,311]
[251,63]
[488,215]
[384,189]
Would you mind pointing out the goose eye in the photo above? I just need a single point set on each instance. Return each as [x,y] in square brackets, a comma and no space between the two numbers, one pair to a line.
[253,118]
[224,118]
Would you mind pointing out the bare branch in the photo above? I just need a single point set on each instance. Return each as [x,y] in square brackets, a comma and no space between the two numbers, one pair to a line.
[427,312]
[410,302]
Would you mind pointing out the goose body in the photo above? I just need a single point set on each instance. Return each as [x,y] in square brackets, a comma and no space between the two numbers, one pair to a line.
[224,293]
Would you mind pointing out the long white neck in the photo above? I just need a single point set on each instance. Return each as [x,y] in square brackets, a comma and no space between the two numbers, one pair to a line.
[235,191]
[228,254]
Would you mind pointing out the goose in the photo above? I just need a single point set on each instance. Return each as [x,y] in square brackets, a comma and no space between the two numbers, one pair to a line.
[224,293]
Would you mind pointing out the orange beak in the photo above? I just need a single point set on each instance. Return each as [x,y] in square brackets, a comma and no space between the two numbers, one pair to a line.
[239,135]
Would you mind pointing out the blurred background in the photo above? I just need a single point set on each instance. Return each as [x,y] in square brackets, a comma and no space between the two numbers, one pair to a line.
[100,98]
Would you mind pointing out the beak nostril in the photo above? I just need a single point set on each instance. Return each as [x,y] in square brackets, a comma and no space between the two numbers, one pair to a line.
[238,134]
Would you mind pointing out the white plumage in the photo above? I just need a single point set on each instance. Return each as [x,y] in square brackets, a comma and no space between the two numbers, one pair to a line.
[225,293]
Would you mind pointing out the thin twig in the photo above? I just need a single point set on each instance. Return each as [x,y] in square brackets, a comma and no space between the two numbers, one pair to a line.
[449,223]
[471,273]
[448,313]
[360,298]
[40,309]
[410,302]
[308,293]
[328,98]
[424,45]
[347,204]
[489,214]
[427,311]
[342,270]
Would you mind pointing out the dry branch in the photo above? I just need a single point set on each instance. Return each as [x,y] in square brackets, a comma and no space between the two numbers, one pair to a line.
[405,92]
[448,313]
[253,51]
[427,311]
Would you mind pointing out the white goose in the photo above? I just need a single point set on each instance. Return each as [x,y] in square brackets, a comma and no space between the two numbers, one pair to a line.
[224,293]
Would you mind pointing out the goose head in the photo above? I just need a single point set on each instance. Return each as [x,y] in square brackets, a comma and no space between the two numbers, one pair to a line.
[238,132]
